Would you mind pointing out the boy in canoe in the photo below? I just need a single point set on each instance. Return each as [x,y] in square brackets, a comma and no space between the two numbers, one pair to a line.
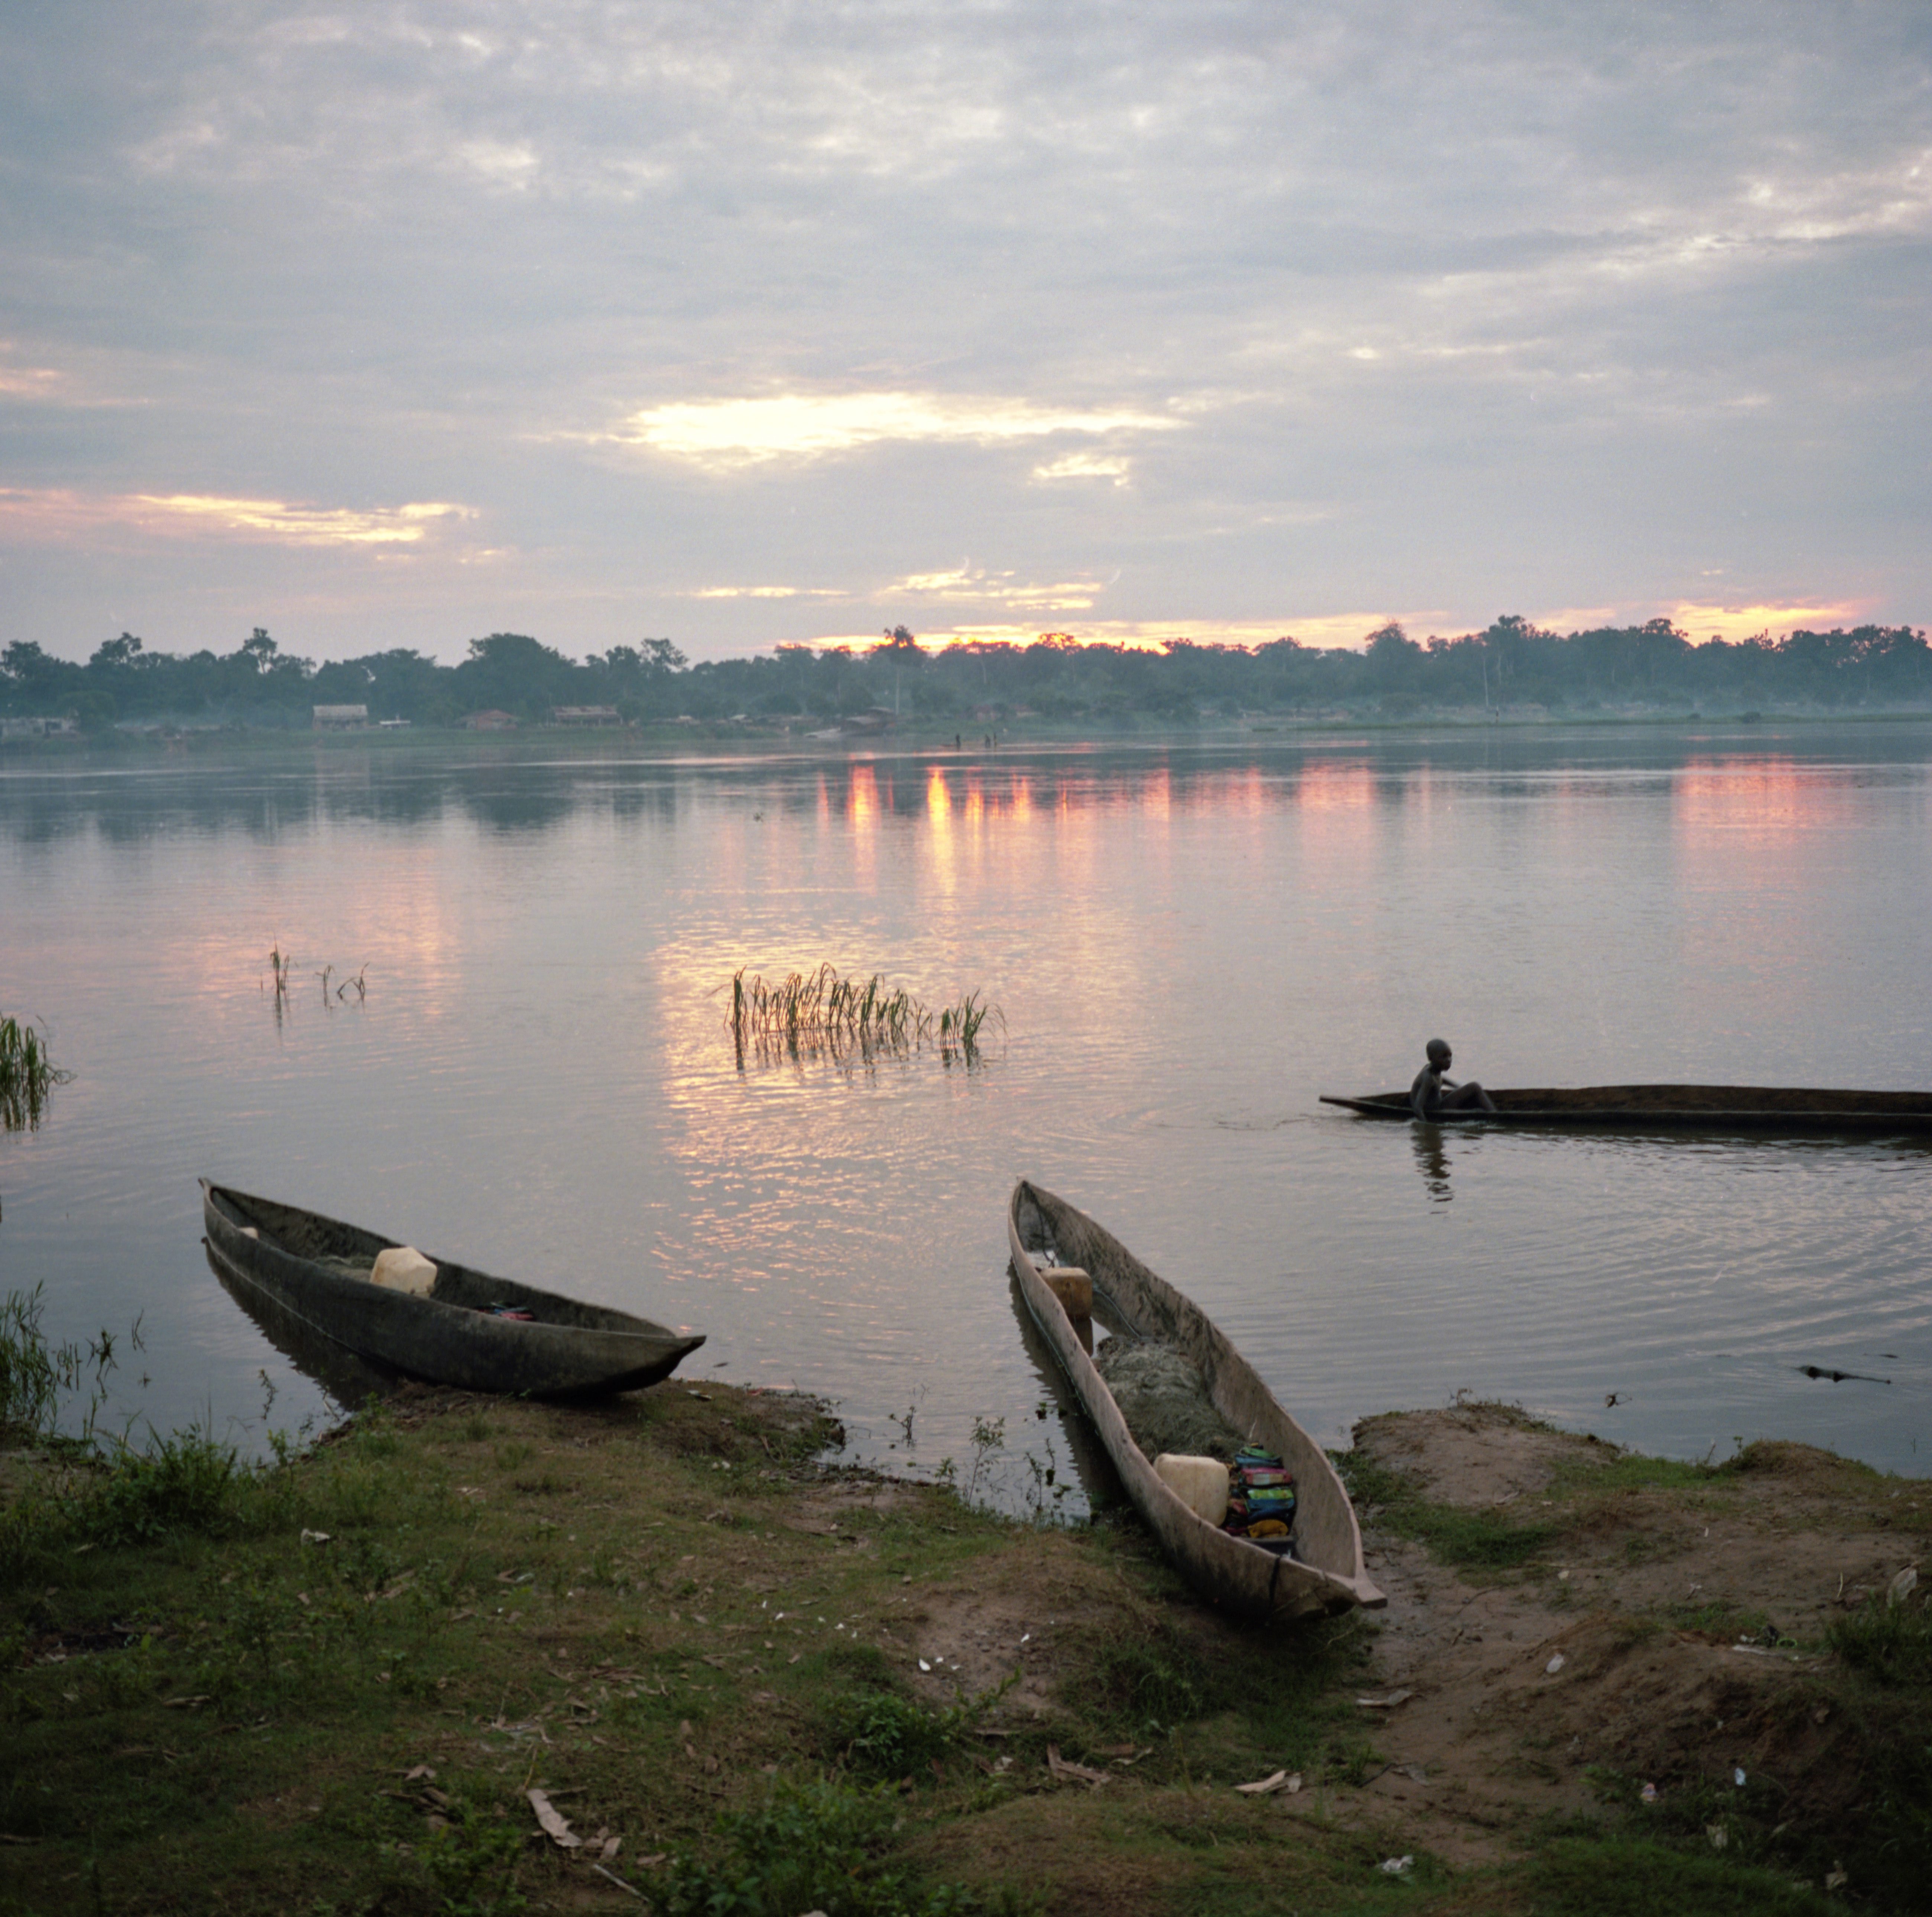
[1432,1094]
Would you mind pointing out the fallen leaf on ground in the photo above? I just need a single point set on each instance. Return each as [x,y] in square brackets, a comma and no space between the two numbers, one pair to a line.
[315,1537]
[1387,1703]
[1061,1768]
[1281,1781]
[556,1827]
[416,1771]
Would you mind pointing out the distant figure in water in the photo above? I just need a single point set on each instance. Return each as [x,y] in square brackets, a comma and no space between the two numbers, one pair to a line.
[1433,1093]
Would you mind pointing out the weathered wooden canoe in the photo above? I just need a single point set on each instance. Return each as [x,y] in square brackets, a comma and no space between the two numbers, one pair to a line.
[1680,1108]
[566,1350]
[1326,1573]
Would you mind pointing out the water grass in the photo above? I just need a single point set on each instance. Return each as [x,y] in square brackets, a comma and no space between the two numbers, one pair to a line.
[821,1013]
[27,1076]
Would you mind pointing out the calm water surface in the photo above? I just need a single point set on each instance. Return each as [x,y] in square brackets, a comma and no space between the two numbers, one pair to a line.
[1188,943]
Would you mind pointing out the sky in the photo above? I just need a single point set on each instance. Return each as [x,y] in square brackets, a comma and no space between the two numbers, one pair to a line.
[740,324]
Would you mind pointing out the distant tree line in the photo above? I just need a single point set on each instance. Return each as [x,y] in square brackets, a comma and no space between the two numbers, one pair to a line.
[1511,666]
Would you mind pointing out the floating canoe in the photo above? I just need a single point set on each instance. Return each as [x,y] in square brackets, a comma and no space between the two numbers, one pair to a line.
[1326,1572]
[289,1263]
[1685,1108]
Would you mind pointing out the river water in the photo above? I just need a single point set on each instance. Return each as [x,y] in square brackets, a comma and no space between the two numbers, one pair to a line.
[1188,943]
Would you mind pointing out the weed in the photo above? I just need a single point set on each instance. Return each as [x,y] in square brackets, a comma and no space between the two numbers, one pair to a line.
[27,1076]
[1892,1643]
[989,1438]
[819,1013]
[812,1846]
[34,1374]
[473,1862]
[183,1482]
[1148,1682]
[1632,1879]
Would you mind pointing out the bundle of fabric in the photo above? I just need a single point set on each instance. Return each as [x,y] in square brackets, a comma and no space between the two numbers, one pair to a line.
[1261,1503]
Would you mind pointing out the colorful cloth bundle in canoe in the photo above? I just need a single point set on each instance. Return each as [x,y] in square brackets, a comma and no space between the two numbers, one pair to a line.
[1261,1500]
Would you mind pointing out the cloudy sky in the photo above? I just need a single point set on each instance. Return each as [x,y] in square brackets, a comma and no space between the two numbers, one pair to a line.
[397,324]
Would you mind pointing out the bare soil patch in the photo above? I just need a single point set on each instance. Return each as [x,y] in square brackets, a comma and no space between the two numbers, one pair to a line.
[1671,1631]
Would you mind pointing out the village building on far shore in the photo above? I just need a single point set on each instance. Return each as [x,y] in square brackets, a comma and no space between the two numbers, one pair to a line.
[492,720]
[339,718]
[586,715]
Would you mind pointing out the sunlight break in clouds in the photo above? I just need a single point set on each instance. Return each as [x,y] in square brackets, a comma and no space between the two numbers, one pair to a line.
[1085,465]
[53,513]
[733,432]
[768,592]
[1737,623]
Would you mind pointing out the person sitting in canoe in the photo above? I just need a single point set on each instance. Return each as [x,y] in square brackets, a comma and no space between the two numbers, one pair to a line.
[1433,1094]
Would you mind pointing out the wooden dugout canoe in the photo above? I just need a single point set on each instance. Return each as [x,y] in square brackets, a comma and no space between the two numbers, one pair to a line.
[1792,1109]
[1130,1300]
[272,1253]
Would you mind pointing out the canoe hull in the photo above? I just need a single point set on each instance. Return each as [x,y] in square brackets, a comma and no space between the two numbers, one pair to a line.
[1329,1575]
[1792,1110]
[572,1350]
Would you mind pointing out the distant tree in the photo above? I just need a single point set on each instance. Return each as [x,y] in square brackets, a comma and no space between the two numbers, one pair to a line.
[119,655]
[259,647]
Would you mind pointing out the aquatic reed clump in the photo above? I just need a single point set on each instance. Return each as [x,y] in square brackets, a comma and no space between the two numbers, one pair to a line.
[27,1075]
[820,1012]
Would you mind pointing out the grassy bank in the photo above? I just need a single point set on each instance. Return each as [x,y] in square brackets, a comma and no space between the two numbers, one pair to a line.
[750,1686]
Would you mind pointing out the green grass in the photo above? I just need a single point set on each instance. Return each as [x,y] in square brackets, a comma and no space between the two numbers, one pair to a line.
[1473,1540]
[1580,1878]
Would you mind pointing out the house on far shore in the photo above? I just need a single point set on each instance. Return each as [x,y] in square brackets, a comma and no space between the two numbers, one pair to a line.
[38,728]
[586,715]
[490,721]
[339,718]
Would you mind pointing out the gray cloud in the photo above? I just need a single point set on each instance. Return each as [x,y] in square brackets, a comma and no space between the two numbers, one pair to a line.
[1458,309]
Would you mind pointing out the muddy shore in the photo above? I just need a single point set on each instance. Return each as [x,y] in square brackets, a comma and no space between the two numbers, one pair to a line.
[333,1684]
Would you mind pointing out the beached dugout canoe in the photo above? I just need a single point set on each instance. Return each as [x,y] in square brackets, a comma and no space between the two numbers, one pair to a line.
[276,1253]
[1787,1109]
[1130,1300]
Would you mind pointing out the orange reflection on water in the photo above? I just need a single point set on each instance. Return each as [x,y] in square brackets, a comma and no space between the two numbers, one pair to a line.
[862,799]
[1767,801]
[1344,785]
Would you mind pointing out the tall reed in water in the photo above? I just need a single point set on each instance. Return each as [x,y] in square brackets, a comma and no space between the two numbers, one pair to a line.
[27,1075]
[819,1011]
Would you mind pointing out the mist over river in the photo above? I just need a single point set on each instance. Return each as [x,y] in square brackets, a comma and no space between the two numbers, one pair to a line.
[1188,941]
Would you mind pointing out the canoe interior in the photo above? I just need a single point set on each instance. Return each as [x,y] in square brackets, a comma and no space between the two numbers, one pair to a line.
[1790,1106]
[565,1349]
[308,1234]
[1131,1300]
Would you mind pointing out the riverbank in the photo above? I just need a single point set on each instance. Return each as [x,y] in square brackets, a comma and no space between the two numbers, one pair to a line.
[332,1685]
[925,737]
